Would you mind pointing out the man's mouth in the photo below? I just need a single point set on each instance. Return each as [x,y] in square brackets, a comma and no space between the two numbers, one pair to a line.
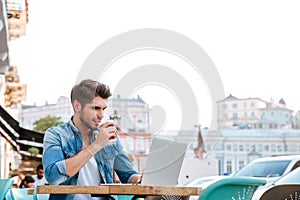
[97,122]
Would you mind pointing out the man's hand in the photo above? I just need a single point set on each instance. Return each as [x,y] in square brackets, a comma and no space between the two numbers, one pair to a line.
[137,179]
[107,132]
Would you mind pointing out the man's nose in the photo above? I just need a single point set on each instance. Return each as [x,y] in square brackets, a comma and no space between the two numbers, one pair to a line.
[100,114]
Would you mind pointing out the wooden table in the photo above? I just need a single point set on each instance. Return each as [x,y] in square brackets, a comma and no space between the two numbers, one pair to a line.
[121,189]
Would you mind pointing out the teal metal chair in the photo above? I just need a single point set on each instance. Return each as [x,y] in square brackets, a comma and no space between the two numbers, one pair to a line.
[5,185]
[22,194]
[234,188]
[40,196]
[282,192]
[19,194]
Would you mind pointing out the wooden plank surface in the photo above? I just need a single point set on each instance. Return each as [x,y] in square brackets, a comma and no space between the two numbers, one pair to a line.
[120,189]
[62,189]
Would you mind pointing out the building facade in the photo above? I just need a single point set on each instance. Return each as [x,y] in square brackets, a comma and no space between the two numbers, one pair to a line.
[235,148]
[253,113]
[27,115]
[131,115]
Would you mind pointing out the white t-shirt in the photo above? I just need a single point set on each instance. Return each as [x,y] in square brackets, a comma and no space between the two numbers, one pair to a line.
[38,182]
[88,176]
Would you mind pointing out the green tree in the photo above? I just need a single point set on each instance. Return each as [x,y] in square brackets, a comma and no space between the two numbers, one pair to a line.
[33,151]
[44,123]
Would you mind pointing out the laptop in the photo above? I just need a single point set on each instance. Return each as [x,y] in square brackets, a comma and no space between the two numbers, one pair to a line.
[164,162]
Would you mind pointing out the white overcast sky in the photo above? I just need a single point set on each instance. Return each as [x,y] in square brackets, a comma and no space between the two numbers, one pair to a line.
[255,45]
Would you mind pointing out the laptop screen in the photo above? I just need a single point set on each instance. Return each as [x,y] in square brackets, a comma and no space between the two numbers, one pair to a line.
[164,162]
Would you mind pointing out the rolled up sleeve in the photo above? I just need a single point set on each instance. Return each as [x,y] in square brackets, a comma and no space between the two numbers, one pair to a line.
[124,168]
[54,162]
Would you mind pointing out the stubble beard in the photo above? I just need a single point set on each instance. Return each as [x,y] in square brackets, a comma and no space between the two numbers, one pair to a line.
[86,123]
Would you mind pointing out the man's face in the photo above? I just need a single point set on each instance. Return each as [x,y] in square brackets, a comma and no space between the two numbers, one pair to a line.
[92,113]
[40,173]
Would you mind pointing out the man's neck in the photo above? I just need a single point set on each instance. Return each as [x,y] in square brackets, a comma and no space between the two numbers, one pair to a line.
[85,131]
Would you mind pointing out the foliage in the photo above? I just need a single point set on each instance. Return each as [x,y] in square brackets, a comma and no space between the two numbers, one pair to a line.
[44,123]
[33,151]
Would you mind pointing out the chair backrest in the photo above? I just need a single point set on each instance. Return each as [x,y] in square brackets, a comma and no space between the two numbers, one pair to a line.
[5,185]
[19,194]
[282,192]
[234,188]
[23,194]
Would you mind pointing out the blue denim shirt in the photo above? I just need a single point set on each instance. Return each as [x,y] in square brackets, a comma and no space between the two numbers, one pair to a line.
[65,141]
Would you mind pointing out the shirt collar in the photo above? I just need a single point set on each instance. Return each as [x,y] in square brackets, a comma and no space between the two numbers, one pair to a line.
[73,127]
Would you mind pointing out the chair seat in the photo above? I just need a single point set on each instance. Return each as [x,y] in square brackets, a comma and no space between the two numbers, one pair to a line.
[282,192]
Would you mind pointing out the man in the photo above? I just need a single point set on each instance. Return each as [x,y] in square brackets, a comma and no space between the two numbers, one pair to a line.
[39,178]
[78,153]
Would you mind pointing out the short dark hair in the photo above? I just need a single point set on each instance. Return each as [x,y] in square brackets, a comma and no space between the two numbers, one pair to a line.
[87,90]
[29,179]
[40,166]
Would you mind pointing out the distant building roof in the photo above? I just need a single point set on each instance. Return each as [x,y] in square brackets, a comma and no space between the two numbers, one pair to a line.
[281,101]
[138,99]
[232,98]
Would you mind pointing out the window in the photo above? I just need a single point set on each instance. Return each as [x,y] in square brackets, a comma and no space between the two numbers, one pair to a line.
[266,147]
[228,147]
[296,165]
[252,104]
[279,148]
[229,167]
[264,169]
[241,164]
[235,105]
[234,116]
[241,147]
[273,147]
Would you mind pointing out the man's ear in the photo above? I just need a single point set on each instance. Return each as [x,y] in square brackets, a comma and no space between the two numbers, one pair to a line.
[76,106]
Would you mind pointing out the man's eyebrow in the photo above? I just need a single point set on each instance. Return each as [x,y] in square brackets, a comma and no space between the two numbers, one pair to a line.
[97,107]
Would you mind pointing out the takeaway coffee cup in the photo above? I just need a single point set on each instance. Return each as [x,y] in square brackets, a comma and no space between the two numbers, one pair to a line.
[111,140]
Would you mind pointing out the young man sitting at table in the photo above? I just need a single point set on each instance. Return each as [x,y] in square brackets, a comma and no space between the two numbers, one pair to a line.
[78,153]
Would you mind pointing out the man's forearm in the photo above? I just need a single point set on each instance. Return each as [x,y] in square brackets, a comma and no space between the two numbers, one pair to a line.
[74,164]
